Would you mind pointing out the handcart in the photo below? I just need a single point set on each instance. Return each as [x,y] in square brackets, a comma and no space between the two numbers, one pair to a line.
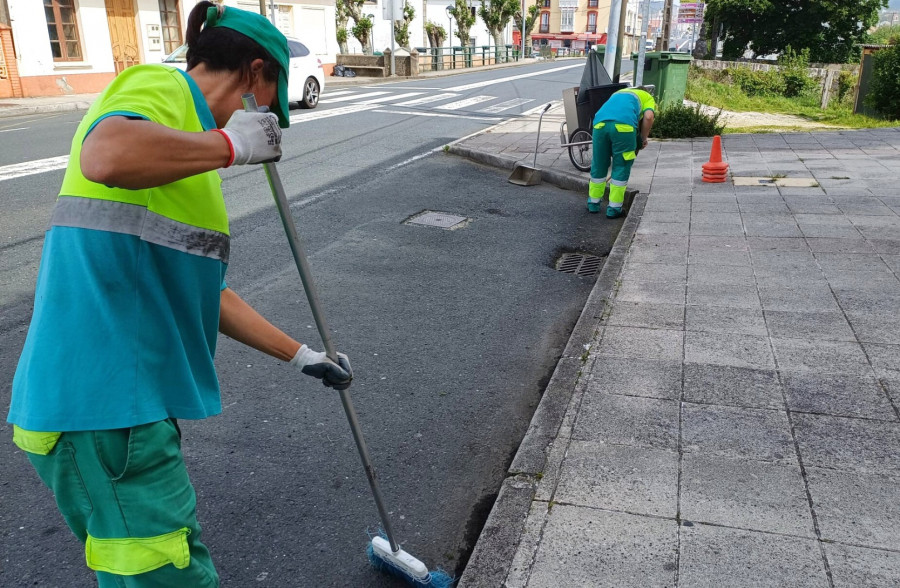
[580,105]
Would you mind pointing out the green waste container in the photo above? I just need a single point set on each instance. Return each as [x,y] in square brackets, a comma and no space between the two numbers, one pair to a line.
[667,71]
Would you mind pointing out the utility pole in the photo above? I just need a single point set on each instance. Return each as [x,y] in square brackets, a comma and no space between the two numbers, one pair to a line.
[662,44]
[522,29]
[623,15]
[612,39]
[638,78]
[262,7]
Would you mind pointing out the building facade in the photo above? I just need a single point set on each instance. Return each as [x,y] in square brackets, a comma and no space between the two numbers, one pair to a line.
[577,25]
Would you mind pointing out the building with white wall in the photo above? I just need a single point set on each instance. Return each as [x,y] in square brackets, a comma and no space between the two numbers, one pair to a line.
[54,47]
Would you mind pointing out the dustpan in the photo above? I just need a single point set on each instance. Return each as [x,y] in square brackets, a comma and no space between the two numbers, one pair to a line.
[525,175]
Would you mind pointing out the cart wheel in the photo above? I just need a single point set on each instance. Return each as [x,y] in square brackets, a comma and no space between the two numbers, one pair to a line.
[580,154]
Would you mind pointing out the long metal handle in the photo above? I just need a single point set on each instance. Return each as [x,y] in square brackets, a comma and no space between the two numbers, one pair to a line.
[290,230]
[540,118]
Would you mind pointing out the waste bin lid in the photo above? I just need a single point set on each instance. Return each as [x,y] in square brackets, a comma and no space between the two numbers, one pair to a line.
[672,56]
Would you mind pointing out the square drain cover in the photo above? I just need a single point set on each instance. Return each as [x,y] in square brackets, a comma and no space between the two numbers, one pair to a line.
[580,264]
[441,220]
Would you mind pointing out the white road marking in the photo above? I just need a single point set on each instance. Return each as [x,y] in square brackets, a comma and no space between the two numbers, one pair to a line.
[28,168]
[336,93]
[510,78]
[496,108]
[438,115]
[389,97]
[464,103]
[15,129]
[353,97]
[319,114]
[427,99]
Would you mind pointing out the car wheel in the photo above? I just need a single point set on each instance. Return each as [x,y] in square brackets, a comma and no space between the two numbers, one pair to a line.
[310,93]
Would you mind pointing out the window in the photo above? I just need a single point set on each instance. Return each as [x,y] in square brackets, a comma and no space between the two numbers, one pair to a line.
[592,3]
[545,22]
[592,22]
[546,3]
[567,21]
[63,29]
[171,24]
[297,49]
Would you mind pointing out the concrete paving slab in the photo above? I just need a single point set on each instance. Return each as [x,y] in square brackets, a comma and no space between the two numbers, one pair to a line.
[711,274]
[651,292]
[837,395]
[798,299]
[732,558]
[647,378]
[654,272]
[728,349]
[628,420]
[820,356]
[829,326]
[652,316]
[732,386]
[614,550]
[848,443]
[747,433]
[858,567]
[710,296]
[739,313]
[856,507]
[637,480]
[745,494]
[642,343]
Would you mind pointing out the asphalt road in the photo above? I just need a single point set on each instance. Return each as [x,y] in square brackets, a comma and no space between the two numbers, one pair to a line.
[453,335]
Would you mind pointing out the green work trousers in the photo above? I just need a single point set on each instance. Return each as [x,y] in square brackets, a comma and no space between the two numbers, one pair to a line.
[613,143]
[126,494]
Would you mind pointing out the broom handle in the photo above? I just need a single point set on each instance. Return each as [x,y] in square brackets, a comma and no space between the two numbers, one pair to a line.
[290,230]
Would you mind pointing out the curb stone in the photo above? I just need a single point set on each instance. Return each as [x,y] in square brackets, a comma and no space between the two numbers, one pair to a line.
[496,547]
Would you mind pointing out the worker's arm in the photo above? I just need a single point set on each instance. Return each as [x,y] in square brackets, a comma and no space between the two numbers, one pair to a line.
[646,125]
[134,154]
[241,322]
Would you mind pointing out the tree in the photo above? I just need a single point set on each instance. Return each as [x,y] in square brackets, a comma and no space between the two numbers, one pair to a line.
[531,16]
[884,90]
[341,16]
[830,29]
[362,27]
[436,34]
[401,27]
[464,21]
[496,15]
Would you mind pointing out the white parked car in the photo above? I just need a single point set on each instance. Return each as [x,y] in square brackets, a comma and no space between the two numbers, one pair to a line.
[305,80]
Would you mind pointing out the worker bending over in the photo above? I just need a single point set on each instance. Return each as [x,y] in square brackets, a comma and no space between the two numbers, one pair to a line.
[621,122]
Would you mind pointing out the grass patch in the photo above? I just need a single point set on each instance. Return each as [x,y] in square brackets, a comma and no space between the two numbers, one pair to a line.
[720,94]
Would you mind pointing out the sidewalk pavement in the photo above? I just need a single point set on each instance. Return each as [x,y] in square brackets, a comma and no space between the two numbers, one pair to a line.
[726,410]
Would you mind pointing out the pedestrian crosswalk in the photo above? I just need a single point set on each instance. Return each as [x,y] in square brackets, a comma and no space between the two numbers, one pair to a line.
[342,101]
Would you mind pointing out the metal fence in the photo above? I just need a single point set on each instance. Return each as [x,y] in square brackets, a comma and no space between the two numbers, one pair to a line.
[441,58]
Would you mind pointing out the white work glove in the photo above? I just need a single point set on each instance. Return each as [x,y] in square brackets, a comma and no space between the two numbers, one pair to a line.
[254,137]
[316,364]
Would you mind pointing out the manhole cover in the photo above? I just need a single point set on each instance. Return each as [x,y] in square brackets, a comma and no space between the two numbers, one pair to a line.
[580,264]
[441,220]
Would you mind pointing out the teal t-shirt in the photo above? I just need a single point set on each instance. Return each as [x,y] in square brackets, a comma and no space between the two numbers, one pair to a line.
[626,106]
[127,297]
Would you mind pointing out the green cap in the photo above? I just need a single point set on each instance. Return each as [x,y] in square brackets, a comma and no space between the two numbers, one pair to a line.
[258,28]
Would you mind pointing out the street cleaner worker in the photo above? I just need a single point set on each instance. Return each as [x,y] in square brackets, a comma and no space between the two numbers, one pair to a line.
[621,122]
[130,294]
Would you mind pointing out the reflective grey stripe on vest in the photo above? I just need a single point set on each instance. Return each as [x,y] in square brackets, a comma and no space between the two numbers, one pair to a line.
[132,219]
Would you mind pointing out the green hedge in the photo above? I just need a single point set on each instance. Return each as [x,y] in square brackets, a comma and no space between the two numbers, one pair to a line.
[884,91]
[679,121]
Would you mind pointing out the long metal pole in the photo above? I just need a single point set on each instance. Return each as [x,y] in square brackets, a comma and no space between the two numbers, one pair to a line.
[522,29]
[623,14]
[290,230]
[642,50]
[612,37]
[393,49]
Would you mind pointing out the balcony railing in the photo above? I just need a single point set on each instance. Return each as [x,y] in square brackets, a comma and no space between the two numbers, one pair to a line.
[591,29]
[592,3]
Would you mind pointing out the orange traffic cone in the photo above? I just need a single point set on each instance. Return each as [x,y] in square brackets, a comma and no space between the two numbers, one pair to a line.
[715,170]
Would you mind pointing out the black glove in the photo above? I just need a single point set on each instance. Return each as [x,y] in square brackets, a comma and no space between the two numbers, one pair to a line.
[316,364]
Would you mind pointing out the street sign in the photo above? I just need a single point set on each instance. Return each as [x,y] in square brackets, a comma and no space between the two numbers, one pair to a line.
[690,13]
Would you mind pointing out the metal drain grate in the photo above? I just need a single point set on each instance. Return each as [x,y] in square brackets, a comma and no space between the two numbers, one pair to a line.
[580,264]
[441,220]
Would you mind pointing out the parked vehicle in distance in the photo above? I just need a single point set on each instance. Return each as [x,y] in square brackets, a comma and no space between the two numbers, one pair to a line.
[305,80]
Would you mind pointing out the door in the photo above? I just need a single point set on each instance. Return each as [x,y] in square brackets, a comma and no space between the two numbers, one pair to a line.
[122,33]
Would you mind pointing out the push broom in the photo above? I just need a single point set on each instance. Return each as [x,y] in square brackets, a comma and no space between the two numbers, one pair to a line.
[384,551]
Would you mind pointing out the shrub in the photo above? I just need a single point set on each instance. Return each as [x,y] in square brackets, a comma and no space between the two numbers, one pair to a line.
[757,83]
[793,68]
[679,121]
[884,91]
[846,86]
